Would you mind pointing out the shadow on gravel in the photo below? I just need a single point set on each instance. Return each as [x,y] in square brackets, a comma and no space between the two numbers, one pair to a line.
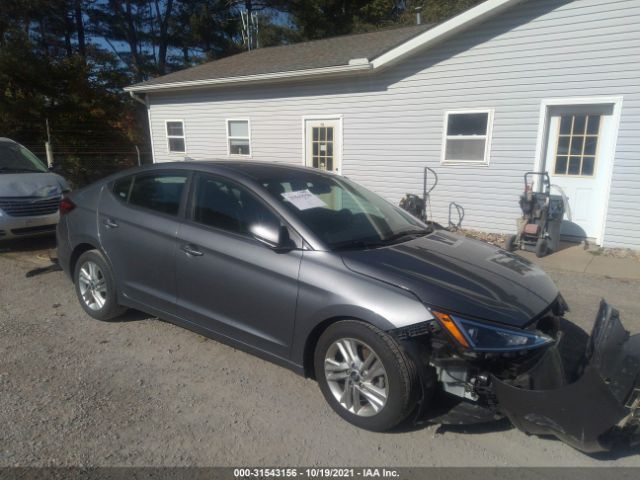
[132,316]
[28,244]
[54,267]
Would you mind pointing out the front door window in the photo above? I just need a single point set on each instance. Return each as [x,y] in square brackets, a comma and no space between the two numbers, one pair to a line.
[322,145]
[577,145]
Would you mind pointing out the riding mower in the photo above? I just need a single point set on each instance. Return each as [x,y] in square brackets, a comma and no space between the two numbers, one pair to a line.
[542,213]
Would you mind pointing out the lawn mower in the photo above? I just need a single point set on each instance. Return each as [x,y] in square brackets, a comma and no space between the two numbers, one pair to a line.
[542,213]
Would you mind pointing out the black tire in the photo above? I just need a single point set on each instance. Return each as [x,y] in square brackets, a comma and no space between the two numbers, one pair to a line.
[541,247]
[110,309]
[510,243]
[401,373]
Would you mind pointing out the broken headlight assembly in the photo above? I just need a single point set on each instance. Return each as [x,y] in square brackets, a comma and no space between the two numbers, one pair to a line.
[483,337]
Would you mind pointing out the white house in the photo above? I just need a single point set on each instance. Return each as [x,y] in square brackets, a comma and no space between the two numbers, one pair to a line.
[506,87]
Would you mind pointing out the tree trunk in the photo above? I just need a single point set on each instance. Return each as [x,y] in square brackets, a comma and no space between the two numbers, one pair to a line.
[82,48]
[163,40]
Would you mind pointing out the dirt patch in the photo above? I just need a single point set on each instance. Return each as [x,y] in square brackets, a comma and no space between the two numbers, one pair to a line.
[496,239]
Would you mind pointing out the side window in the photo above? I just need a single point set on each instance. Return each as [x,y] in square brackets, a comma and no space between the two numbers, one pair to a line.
[222,204]
[176,142]
[122,187]
[160,192]
[467,137]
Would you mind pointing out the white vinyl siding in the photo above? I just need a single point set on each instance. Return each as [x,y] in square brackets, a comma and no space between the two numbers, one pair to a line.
[393,119]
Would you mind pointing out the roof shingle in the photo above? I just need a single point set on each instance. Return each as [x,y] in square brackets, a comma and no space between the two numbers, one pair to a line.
[329,52]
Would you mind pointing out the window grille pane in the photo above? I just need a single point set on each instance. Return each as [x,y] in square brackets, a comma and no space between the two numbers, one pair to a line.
[175,129]
[561,165]
[238,128]
[465,150]
[563,145]
[176,145]
[591,143]
[574,166]
[576,145]
[587,165]
[565,124]
[579,124]
[593,127]
[467,124]
[239,147]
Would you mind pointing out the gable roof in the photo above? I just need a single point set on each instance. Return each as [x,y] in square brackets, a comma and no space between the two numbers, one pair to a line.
[331,56]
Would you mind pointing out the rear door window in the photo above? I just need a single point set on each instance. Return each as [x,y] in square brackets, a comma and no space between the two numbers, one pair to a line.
[122,187]
[160,192]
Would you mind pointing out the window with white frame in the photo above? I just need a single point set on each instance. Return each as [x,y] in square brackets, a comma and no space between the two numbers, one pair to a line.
[238,137]
[467,136]
[175,136]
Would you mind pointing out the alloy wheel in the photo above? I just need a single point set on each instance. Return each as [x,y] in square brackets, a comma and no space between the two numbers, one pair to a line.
[93,285]
[356,377]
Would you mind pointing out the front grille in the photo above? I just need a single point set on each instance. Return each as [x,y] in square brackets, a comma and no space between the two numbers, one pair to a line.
[33,230]
[415,330]
[29,206]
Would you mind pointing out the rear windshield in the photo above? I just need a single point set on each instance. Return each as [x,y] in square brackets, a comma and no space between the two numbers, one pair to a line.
[14,158]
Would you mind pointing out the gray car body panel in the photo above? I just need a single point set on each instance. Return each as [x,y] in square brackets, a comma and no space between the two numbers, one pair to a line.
[291,293]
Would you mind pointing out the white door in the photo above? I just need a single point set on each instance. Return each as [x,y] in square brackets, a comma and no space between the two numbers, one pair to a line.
[322,144]
[579,156]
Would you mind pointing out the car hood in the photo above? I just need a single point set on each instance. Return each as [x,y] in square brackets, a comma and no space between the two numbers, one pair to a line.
[35,184]
[461,275]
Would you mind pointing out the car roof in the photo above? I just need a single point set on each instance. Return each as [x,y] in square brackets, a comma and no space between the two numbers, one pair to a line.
[250,169]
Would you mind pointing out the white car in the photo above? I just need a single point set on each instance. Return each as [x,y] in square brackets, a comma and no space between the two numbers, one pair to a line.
[29,193]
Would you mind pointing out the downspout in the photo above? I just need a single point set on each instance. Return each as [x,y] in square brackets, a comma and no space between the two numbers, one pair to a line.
[145,102]
[138,99]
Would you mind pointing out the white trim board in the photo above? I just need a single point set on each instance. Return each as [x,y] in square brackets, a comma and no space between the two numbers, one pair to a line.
[541,140]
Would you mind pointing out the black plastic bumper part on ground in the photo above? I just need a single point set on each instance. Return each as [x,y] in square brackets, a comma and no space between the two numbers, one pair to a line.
[599,410]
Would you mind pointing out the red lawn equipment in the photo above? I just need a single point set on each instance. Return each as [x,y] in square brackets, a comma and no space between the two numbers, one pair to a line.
[539,226]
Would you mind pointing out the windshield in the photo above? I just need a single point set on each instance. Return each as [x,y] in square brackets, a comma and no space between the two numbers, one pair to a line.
[14,158]
[343,214]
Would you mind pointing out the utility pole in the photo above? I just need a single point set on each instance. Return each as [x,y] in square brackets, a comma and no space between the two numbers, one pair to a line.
[250,28]
[47,147]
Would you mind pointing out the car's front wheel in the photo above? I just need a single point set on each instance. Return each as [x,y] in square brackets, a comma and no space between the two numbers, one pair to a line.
[96,287]
[365,375]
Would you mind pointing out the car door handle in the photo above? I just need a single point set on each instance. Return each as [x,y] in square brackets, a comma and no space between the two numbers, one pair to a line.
[191,250]
[110,223]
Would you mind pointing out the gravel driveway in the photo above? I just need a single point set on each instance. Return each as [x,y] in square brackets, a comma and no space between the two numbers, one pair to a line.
[75,391]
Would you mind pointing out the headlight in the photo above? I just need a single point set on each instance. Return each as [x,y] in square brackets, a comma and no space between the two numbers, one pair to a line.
[482,337]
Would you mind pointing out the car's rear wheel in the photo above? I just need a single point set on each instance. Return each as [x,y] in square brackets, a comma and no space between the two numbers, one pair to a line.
[365,376]
[95,286]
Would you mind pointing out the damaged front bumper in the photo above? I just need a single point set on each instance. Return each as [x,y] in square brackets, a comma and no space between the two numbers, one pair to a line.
[598,411]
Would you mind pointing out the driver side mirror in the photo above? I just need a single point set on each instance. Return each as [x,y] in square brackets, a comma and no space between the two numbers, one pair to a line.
[277,239]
